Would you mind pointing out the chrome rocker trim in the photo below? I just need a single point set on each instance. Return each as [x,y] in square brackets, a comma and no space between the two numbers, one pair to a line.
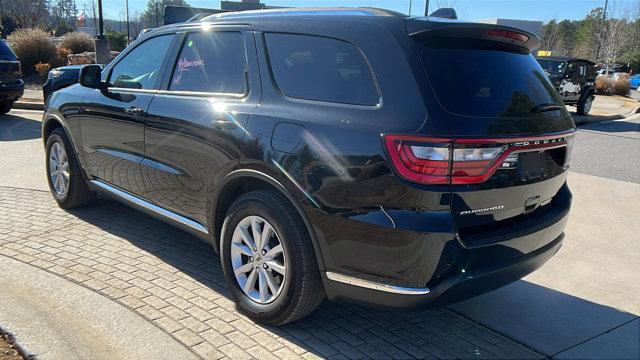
[350,280]
[150,207]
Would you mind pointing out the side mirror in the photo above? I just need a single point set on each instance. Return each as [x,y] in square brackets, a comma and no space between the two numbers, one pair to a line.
[90,76]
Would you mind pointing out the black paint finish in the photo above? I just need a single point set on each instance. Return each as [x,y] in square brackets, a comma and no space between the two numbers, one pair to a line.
[329,159]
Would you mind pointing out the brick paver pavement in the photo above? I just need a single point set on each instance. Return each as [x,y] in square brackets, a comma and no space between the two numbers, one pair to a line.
[175,281]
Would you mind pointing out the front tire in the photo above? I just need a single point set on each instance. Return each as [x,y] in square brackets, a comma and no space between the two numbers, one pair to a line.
[5,107]
[268,259]
[66,180]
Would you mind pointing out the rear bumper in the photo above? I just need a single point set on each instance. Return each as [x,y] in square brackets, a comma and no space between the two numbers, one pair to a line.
[451,290]
[11,91]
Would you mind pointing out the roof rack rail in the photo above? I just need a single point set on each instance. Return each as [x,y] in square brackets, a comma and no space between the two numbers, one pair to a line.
[447,13]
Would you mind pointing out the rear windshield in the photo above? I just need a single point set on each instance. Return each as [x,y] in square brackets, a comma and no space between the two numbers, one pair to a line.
[473,77]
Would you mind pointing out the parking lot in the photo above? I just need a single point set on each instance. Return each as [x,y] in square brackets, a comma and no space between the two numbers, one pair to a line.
[111,282]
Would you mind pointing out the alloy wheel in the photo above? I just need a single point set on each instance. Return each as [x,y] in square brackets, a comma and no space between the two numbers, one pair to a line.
[59,168]
[258,259]
[587,105]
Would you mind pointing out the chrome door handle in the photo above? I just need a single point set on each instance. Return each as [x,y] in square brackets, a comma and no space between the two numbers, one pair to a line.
[133,110]
[224,124]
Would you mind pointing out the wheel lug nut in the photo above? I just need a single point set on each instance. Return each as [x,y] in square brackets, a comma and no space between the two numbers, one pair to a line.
[250,259]
[264,252]
[255,249]
[265,266]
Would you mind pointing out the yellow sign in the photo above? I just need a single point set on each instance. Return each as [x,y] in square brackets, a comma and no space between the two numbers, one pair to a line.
[544,53]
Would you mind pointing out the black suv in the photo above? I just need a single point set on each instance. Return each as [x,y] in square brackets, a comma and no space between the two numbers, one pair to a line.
[573,78]
[11,84]
[357,153]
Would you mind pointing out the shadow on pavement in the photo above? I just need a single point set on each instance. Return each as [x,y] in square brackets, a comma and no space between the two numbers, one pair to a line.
[549,321]
[16,128]
[437,333]
[615,126]
[545,320]
[593,119]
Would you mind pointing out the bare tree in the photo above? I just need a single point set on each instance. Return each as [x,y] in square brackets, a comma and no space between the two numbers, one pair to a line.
[550,36]
[446,3]
[28,13]
[615,34]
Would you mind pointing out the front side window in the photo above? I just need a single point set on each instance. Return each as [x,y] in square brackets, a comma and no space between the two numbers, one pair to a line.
[318,68]
[140,68]
[212,62]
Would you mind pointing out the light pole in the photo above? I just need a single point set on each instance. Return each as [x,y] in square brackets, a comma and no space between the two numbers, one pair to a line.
[102,44]
[100,21]
[126,12]
[426,8]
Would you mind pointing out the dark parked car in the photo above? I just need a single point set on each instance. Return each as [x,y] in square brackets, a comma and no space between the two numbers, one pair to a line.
[574,79]
[11,84]
[357,153]
[59,78]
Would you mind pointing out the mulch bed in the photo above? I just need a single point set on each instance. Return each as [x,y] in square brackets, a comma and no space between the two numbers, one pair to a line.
[8,348]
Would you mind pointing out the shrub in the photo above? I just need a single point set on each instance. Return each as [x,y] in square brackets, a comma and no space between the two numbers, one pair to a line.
[117,40]
[622,85]
[62,57]
[32,46]
[42,69]
[77,42]
[81,59]
[603,85]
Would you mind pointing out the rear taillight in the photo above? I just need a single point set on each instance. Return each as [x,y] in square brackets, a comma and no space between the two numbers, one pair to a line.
[464,161]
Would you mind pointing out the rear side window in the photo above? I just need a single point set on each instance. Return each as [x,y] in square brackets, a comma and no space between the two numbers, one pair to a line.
[211,62]
[318,68]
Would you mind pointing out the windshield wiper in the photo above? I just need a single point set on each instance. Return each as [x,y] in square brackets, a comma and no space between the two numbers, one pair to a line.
[546,107]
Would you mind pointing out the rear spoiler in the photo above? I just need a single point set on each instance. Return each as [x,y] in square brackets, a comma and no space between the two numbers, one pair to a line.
[459,29]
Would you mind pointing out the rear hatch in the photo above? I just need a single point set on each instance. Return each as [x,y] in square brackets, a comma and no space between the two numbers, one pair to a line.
[10,69]
[507,157]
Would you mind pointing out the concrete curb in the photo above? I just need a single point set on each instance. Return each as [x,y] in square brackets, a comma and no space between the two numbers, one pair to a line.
[28,105]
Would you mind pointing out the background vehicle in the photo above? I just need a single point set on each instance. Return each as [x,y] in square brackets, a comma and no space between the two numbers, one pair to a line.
[59,78]
[11,84]
[634,82]
[298,143]
[574,79]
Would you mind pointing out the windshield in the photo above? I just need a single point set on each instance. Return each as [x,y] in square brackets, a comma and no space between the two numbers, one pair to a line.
[553,67]
[473,77]
[6,52]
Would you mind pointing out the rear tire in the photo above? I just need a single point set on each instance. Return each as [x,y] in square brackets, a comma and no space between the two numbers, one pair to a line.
[66,180]
[584,105]
[295,289]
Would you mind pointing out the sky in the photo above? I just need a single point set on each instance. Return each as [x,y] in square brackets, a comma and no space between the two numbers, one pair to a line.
[544,10]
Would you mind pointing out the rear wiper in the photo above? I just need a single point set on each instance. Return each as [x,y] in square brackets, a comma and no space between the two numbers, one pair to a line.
[546,107]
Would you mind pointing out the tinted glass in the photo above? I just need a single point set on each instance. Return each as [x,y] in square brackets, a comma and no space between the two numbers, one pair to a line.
[317,68]
[140,69]
[6,52]
[211,62]
[553,67]
[479,78]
